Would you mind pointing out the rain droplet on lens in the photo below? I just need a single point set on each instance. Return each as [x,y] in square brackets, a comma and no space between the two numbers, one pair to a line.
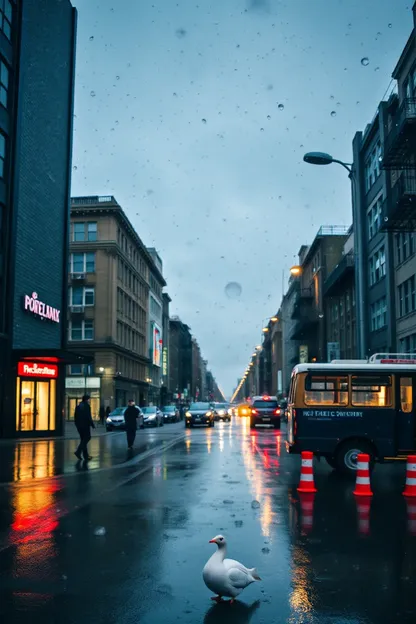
[204,121]
[91,38]
[365,61]
[100,531]
[332,97]
[92,93]
[117,77]
[265,550]
[238,523]
[268,117]
[233,290]
[333,114]
[255,504]
[261,129]
[281,107]
[390,25]
[377,69]
[75,167]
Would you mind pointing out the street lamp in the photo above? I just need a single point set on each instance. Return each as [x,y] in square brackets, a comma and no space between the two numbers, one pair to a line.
[265,330]
[296,270]
[322,158]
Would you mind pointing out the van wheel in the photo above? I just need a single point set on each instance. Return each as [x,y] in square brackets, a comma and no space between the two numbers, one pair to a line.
[330,460]
[346,456]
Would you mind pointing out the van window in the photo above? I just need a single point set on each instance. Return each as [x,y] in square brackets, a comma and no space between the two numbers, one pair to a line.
[326,390]
[371,391]
[406,394]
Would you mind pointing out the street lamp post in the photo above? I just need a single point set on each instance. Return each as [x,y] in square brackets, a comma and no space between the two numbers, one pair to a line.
[322,158]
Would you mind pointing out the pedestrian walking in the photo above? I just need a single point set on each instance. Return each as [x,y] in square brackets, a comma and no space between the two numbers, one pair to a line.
[102,415]
[83,423]
[107,411]
[130,419]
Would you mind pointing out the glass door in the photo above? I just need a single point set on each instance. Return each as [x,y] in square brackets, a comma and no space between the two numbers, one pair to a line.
[26,406]
[405,413]
[35,405]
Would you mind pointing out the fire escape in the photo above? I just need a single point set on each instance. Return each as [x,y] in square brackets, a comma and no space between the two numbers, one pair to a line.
[399,208]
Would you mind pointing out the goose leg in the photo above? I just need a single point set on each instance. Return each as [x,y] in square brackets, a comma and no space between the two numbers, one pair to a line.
[216,598]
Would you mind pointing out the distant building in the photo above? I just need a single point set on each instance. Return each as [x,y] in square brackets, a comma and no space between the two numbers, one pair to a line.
[155,335]
[180,359]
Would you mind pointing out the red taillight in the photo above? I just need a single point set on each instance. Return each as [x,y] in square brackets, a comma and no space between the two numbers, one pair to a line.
[278,412]
[253,411]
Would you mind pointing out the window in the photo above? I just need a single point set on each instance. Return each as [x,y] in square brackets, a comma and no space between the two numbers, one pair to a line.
[408,344]
[406,394]
[81,330]
[374,216]
[82,263]
[379,314]
[81,296]
[407,296]
[6,14]
[372,166]
[78,232]
[377,266]
[4,83]
[326,390]
[405,246]
[371,391]
[92,231]
[76,369]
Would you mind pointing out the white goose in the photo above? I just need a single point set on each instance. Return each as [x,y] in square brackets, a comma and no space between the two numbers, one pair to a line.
[226,577]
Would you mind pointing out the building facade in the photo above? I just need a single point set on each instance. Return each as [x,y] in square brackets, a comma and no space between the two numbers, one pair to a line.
[155,332]
[166,394]
[37,64]
[180,359]
[109,284]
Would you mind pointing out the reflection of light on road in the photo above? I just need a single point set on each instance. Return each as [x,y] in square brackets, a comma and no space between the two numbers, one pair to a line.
[301,597]
[209,441]
[221,440]
[34,460]
[165,473]
[188,445]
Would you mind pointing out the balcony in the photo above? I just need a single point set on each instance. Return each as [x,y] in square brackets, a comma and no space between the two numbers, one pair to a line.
[335,282]
[399,207]
[400,142]
[303,298]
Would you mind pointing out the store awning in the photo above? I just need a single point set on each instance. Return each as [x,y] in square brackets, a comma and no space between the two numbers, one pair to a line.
[52,355]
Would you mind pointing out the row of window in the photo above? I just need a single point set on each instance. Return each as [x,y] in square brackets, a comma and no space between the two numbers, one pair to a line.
[408,344]
[374,216]
[130,281]
[156,287]
[6,17]
[372,166]
[81,296]
[407,296]
[132,253]
[130,309]
[130,338]
[378,314]
[377,266]
[155,308]
[131,369]
[405,246]
[82,262]
[84,231]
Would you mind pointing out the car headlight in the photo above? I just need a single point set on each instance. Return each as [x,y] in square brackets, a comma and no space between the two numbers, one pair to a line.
[152,416]
[208,414]
[221,412]
[109,420]
[188,414]
[230,412]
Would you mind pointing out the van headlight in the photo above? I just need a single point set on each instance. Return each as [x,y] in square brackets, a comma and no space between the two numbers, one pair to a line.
[188,414]
[208,414]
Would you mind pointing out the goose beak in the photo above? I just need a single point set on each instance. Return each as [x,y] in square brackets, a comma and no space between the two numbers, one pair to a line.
[212,542]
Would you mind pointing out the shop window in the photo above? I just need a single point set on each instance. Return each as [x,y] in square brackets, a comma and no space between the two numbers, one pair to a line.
[371,391]
[328,390]
[406,394]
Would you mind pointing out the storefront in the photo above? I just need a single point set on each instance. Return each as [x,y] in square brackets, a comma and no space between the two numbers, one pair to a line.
[36,397]
[75,388]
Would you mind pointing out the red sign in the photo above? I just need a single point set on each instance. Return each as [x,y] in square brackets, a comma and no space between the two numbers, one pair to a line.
[32,369]
[398,362]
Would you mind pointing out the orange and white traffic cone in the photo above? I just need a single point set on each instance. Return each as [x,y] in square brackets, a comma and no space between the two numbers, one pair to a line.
[363,511]
[411,516]
[306,507]
[410,488]
[362,484]
[306,483]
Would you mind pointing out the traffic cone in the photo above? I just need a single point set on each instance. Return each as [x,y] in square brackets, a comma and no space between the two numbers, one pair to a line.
[363,511]
[362,484]
[306,507]
[410,488]
[411,516]
[306,483]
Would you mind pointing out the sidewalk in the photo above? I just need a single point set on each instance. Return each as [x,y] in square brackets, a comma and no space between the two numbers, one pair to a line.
[71,433]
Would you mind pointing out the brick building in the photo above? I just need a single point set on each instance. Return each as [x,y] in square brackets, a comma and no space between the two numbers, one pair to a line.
[37,60]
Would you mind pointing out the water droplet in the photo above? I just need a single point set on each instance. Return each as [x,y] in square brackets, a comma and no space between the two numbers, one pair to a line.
[268,117]
[265,550]
[255,504]
[238,523]
[227,501]
[92,93]
[332,97]
[117,77]
[64,577]
[390,25]
[75,167]
[100,531]
[261,129]
[333,114]
[91,38]
[365,61]
[376,68]
[204,121]
[233,290]
[281,107]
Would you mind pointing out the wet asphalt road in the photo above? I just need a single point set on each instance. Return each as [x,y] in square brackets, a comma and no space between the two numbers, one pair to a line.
[320,561]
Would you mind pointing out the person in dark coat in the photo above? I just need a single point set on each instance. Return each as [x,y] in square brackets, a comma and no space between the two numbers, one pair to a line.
[130,418]
[83,423]
[102,415]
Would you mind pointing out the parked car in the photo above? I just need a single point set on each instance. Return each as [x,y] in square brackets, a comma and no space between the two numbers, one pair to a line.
[115,420]
[265,410]
[153,417]
[222,412]
[199,414]
[170,413]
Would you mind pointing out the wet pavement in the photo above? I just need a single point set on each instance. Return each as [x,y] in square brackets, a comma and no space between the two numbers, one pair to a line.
[124,538]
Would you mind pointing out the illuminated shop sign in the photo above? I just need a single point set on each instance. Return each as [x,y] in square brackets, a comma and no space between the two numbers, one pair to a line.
[32,304]
[31,369]
[156,345]
[165,362]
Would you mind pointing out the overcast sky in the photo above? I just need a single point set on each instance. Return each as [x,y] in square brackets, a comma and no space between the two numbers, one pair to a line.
[195,115]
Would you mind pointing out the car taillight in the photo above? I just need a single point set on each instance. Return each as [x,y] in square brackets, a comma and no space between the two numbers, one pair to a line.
[253,411]
[278,412]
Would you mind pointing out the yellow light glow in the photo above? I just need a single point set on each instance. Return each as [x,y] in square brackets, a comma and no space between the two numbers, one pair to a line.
[296,270]
[265,330]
